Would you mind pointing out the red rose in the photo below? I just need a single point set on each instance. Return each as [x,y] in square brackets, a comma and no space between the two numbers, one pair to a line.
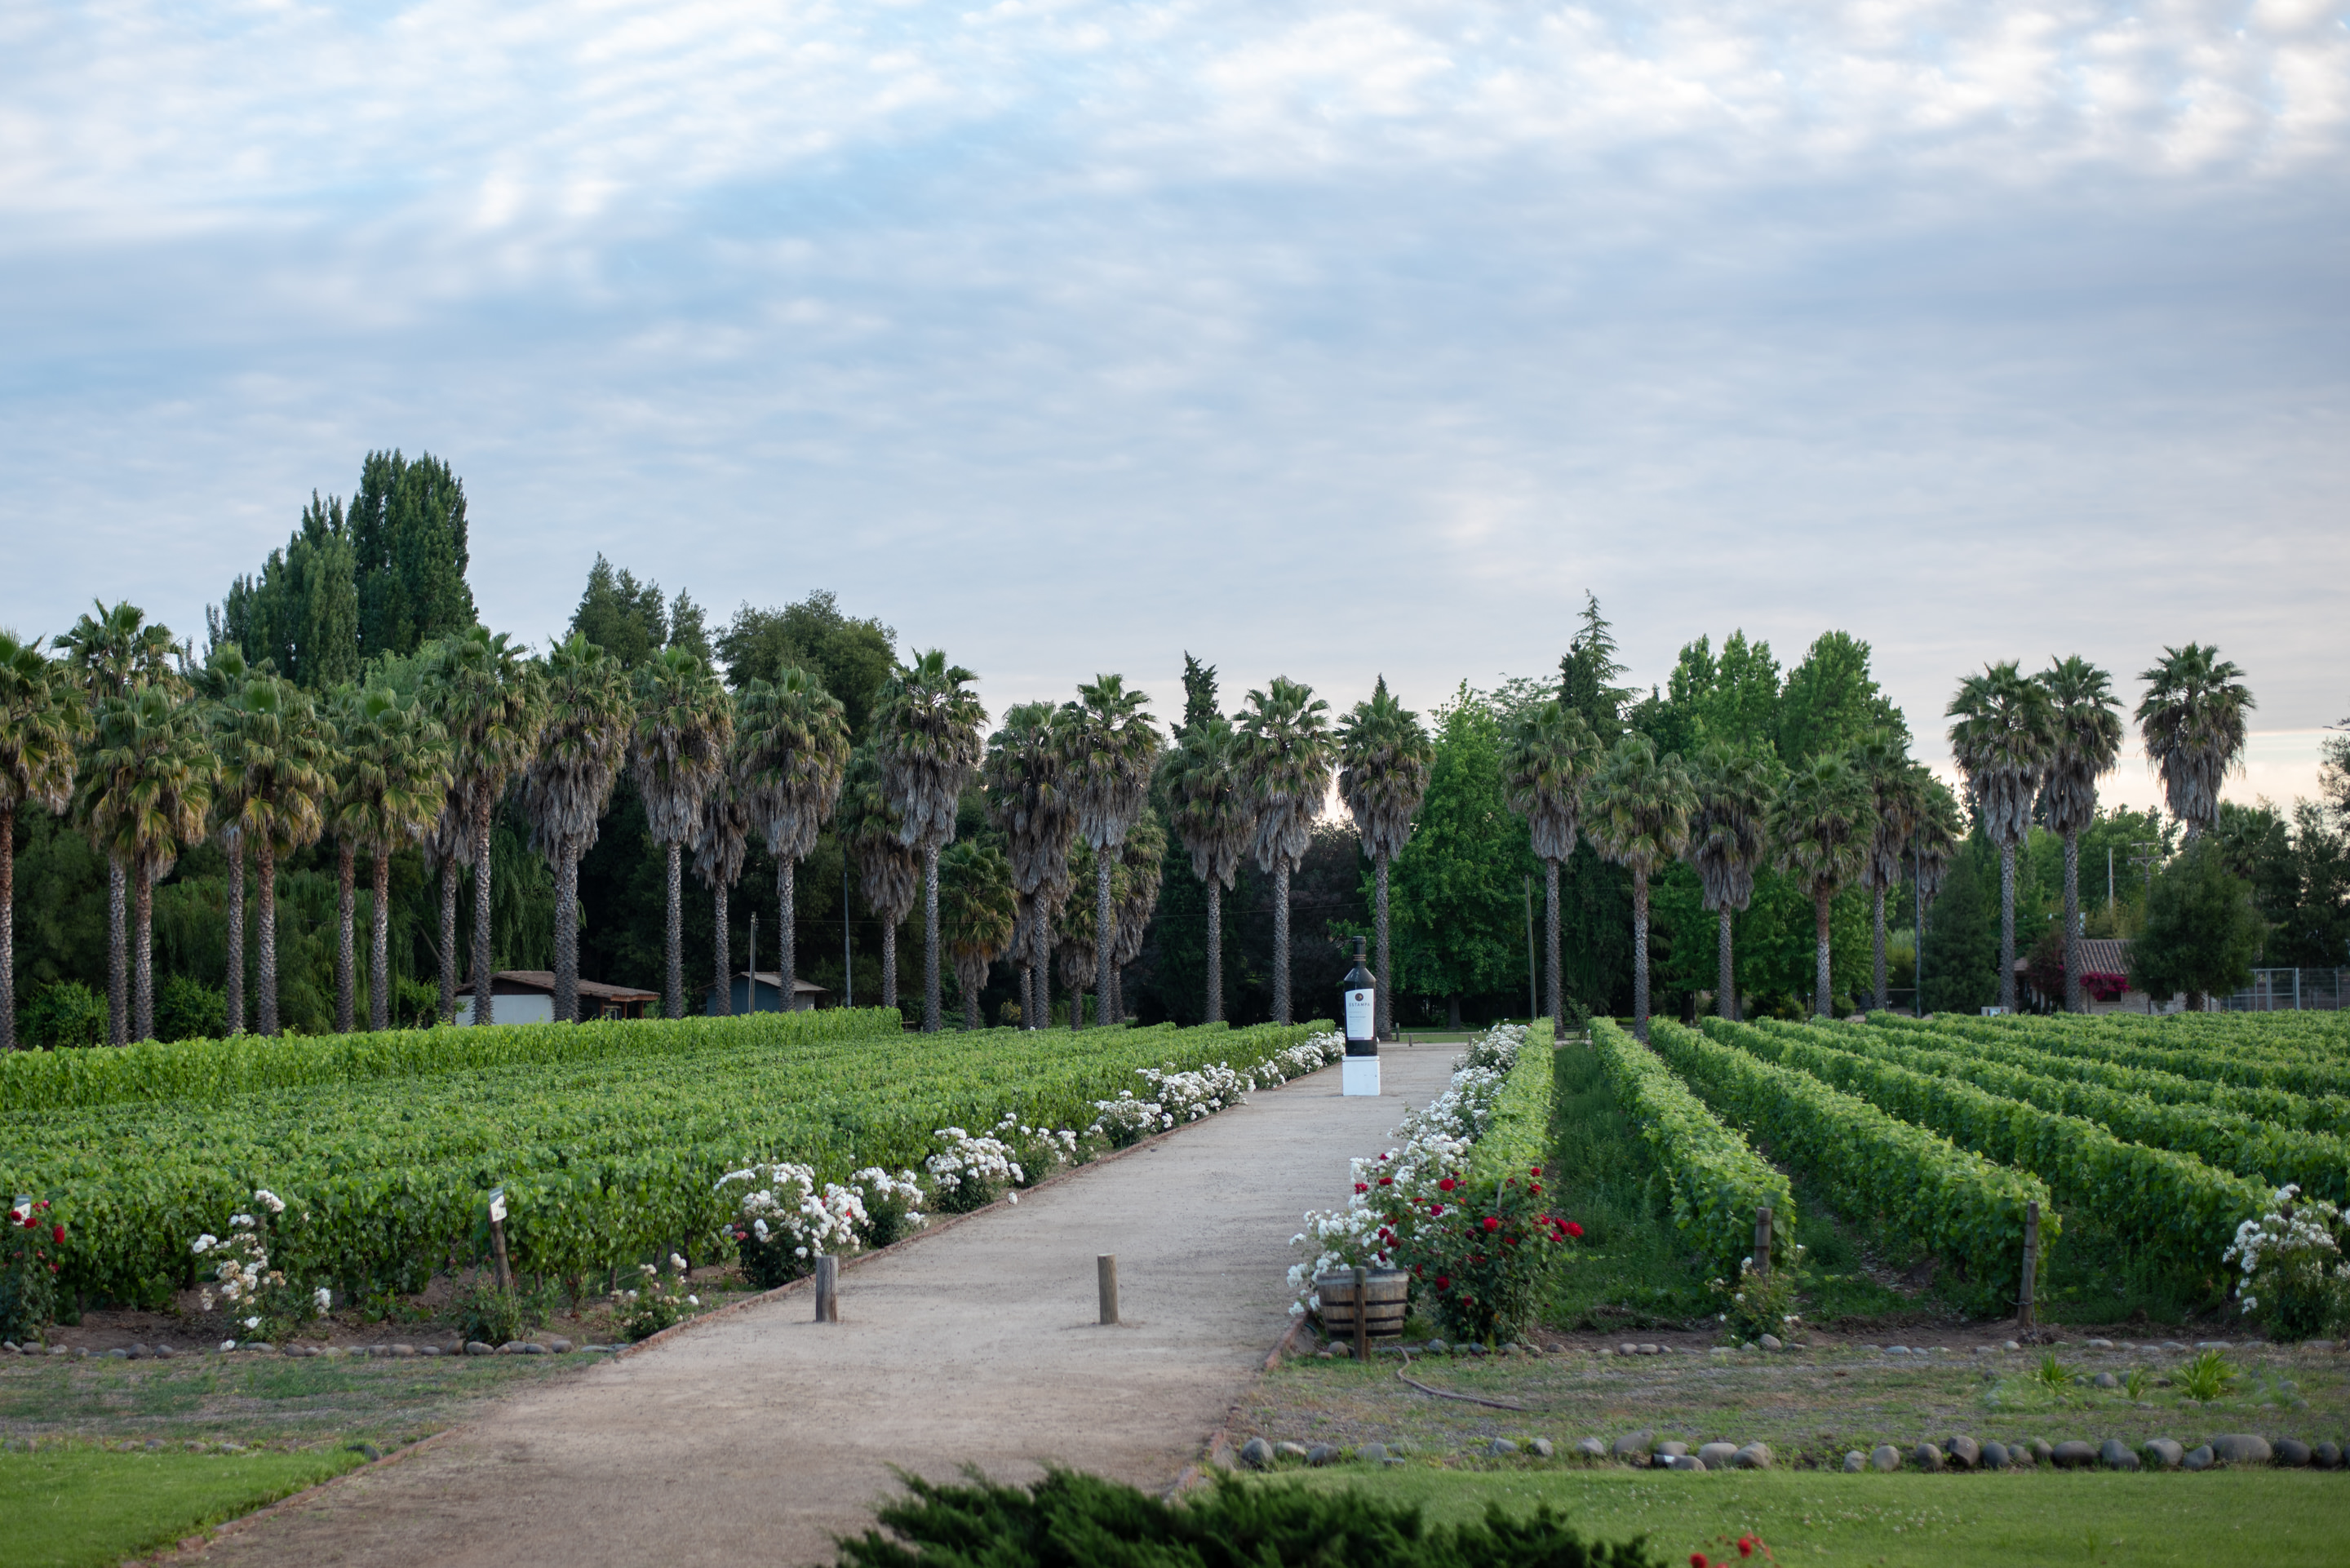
[1362,1186]
[1746,1546]
[1443,1282]
[1445,1185]
[1492,1223]
[58,1235]
[31,1223]
[1436,1208]
[1534,1170]
[1573,1229]
[1387,1181]
[1697,1560]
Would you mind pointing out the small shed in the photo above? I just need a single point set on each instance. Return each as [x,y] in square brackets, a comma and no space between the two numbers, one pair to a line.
[527,996]
[805,997]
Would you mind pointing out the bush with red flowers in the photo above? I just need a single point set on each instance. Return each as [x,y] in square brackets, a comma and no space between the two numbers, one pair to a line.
[29,1272]
[1483,1251]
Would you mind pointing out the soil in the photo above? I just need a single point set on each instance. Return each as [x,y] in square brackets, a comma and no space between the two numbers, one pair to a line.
[758,1435]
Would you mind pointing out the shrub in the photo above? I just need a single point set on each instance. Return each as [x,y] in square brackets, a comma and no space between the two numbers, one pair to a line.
[187,1009]
[659,1303]
[64,1014]
[893,1205]
[784,1222]
[1485,1252]
[493,1314]
[29,1272]
[968,1173]
[2294,1278]
[1757,1305]
[265,1302]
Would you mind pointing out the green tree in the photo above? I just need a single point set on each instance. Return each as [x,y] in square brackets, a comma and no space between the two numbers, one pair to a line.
[1214,819]
[408,533]
[41,719]
[1588,672]
[288,754]
[1894,784]
[1734,785]
[1732,699]
[1109,747]
[221,683]
[1638,812]
[1959,951]
[927,727]
[791,753]
[685,728]
[2202,932]
[1831,702]
[2003,742]
[393,783]
[975,916]
[889,871]
[1548,760]
[1823,824]
[1384,756]
[2192,720]
[487,697]
[301,614]
[146,792]
[851,658]
[2087,728]
[625,618]
[1142,860]
[719,838]
[1457,893]
[583,744]
[1285,756]
[1199,695]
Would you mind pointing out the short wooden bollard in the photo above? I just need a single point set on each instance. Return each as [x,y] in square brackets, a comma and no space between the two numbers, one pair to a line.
[498,1238]
[1763,1241]
[1362,1313]
[1105,1284]
[2031,1265]
[828,1289]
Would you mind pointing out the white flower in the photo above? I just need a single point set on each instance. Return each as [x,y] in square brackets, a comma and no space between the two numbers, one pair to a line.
[677,1262]
[799,1251]
[269,1200]
[240,1222]
[228,1345]
[252,1322]
[206,1242]
[326,1299]
[693,1300]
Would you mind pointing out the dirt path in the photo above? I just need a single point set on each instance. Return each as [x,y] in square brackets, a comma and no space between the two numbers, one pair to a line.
[758,1436]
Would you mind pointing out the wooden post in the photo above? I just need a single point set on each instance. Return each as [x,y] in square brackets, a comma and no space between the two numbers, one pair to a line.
[828,1289]
[1362,1313]
[1763,1241]
[1105,1282]
[498,1238]
[2031,1265]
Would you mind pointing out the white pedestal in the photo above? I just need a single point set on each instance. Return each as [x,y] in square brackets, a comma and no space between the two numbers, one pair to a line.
[1358,1076]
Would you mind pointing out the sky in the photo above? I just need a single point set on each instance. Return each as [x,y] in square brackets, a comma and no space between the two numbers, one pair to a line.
[1326,340]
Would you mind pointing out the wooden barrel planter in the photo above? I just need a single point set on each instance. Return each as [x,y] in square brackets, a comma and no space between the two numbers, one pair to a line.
[1386,1293]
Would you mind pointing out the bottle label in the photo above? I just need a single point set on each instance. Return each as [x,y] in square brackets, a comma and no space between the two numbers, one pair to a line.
[1358,1015]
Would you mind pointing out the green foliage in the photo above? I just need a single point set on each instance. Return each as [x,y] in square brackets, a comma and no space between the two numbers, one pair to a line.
[1072,1520]
[850,657]
[1458,890]
[1831,702]
[1926,1193]
[1733,699]
[1717,1181]
[625,618]
[1752,1304]
[65,1013]
[1518,1135]
[2201,931]
[493,1314]
[2052,1375]
[1588,672]
[188,1008]
[1961,944]
[2206,1377]
[2222,1049]
[30,1244]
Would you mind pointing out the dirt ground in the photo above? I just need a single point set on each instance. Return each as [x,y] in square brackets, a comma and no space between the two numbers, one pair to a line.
[759,1435]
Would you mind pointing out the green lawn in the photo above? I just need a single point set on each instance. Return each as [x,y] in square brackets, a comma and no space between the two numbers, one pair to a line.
[1832,1519]
[84,1507]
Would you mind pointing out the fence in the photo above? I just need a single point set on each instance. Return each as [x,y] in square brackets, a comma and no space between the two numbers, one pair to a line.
[2288,990]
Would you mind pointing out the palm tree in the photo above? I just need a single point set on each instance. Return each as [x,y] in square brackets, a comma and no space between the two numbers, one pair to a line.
[449,848]
[394,783]
[2088,739]
[1936,844]
[720,840]
[976,917]
[1285,748]
[1734,785]
[889,872]
[928,743]
[685,726]
[1142,862]
[1549,754]
[1074,948]
[2192,718]
[485,694]
[2002,742]
[1823,824]
[41,719]
[1639,808]
[1107,746]
[1384,757]
[113,654]
[1215,818]
[222,684]
[581,749]
[146,793]
[791,748]
[1893,784]
[288,759]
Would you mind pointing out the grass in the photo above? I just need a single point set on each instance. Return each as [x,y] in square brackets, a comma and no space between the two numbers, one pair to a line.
[1947,1521]
[83,1506]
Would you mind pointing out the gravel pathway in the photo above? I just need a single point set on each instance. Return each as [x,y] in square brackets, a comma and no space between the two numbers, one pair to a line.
[758,1436]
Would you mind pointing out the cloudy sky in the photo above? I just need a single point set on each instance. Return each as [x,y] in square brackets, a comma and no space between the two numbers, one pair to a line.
[1322,339]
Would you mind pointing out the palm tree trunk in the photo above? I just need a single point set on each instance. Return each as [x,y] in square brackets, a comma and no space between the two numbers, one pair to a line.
[931,939]
[1105,931]
[970,1006]
[485,1006]
[2007,927]
[1725,985]
[675,951]
[346,948]
[1878,895]
[265,866]
[7,928]
[723,984]
[380,941]
[889,962]
[1550,932]
[142,954]
[567,936]
[117,978]
[1280,939]
[1383,1015]
[1821,1005]
[448,940]
[786,933]
[232,839]
[1216,945]
[1641,955]
[1117,1009]
[1076,1010]
[1044,963]
[2073,1000]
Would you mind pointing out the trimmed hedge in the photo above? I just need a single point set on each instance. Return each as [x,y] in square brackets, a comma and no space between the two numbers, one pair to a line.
[1917,1185]
[1518,1135]
[1716,1179]
[2152,1043]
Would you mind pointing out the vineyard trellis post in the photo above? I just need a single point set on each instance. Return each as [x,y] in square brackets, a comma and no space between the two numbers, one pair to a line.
[2031,1265]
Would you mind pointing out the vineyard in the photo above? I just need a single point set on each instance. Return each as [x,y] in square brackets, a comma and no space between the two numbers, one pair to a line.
[2150,1140]
[607,1138]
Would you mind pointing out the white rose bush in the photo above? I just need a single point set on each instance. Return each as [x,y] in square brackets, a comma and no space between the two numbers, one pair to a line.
[785,1221]
[2293,1274]
[259,1298]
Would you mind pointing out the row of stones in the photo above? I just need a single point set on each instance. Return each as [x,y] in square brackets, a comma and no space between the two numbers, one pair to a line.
[1340,1349]
[256,1346]
[2112,1454]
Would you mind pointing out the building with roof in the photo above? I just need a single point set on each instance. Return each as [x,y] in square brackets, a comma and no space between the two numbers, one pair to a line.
[527,996]
[769,984]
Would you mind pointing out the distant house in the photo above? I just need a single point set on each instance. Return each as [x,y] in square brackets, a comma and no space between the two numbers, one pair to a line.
[805,997]
[2104,977]
[527,996]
